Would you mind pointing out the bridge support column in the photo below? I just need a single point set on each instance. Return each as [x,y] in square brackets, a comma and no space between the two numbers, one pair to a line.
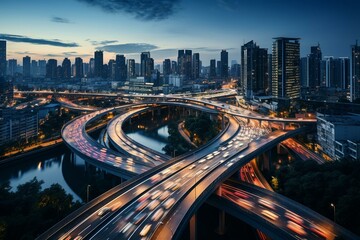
[223,121]
[158,112]
[152,113]
[193,227]
[221,228]
[197,113]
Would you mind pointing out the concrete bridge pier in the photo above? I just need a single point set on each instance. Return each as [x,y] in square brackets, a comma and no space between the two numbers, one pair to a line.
[221,227]
[193,227]
[223,121]
[197,113]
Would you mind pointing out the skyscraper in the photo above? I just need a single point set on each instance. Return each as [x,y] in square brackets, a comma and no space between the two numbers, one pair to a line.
[51,69]
[345,73]
[120,68]
[143,57]
[166,67]
[224,69]
[314,67]
[26,66]
[286,68]
[269,64]
[112,68]
[131,68]
[304,72]
[99,63]
[79,71]
[196,65]
[149,68]
[185,63]
[34,68]
[42,68]
[355,70]
[91,67]
[12,67]
[2,58]
[66,68]
[254,69]
[212,73]
[174,67]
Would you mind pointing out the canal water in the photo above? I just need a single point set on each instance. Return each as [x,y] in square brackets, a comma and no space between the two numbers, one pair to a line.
[155,139]
[68,170]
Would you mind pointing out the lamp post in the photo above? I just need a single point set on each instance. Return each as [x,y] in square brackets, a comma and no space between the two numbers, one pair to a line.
[333,206]
[87,192]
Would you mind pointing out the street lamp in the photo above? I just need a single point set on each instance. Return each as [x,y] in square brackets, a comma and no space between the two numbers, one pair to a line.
[87,192]
[333,206]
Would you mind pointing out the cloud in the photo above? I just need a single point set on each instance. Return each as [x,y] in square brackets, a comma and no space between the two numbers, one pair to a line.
[60,20]
[66,54]
[105,42]
[146,10]
[24,39]
[128,48]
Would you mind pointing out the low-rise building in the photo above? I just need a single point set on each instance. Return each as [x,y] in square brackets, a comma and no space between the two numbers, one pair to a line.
[338,135]
[17,125]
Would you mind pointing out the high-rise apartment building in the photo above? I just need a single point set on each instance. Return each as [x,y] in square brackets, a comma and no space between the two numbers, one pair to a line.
[143,58]
[185,63]
[314,67]
[166,67]
[26,66]
[79,70]
[196,67]
[345,73]
[98,64]
[174,67]
[51,69]
[131,71]
[254,69]
[42,68]
[355,72]
[34,68]
[212,73]
[120,68]
[224,69]
[149,68]
[286,69]
[12,67]
[66,68]
[304,72]
[2,58]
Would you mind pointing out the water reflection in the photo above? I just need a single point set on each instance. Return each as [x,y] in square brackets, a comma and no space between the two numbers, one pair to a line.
[47,168]
[155,139]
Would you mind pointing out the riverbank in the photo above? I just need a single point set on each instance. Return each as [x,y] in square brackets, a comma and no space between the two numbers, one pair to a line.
[43,148]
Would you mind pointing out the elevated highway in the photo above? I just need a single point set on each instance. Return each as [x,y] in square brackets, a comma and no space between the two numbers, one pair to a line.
[160,203]
[276,215]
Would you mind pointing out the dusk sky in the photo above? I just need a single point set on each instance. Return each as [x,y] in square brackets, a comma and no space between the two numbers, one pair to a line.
[69,28]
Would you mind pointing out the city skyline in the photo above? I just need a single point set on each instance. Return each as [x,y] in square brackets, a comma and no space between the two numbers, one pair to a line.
[162,27]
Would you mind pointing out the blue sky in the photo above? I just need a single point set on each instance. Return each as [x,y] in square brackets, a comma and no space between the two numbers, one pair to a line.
[55,29]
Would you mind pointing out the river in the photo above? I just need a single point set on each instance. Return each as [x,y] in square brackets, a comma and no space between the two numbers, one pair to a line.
[68,170]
